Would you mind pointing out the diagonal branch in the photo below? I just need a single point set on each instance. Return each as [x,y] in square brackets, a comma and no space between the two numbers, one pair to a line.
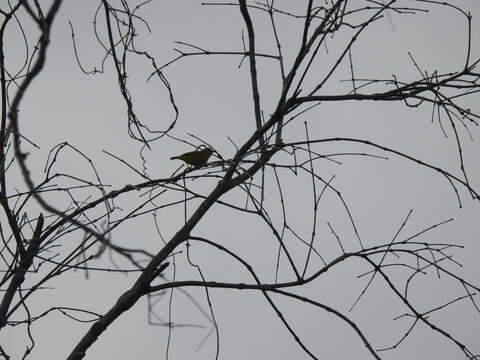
[253,69]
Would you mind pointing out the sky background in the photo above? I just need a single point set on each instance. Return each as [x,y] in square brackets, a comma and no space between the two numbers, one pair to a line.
[214,98]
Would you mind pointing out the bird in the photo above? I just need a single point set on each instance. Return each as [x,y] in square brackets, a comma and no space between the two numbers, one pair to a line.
[195,158]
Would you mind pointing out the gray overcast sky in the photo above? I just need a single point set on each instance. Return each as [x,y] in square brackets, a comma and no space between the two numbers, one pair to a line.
[214,99]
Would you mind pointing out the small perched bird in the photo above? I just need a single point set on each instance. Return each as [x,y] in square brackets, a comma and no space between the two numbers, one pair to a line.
[195,158]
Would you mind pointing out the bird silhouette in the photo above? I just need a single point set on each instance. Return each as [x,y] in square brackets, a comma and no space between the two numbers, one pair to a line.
[195,158]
